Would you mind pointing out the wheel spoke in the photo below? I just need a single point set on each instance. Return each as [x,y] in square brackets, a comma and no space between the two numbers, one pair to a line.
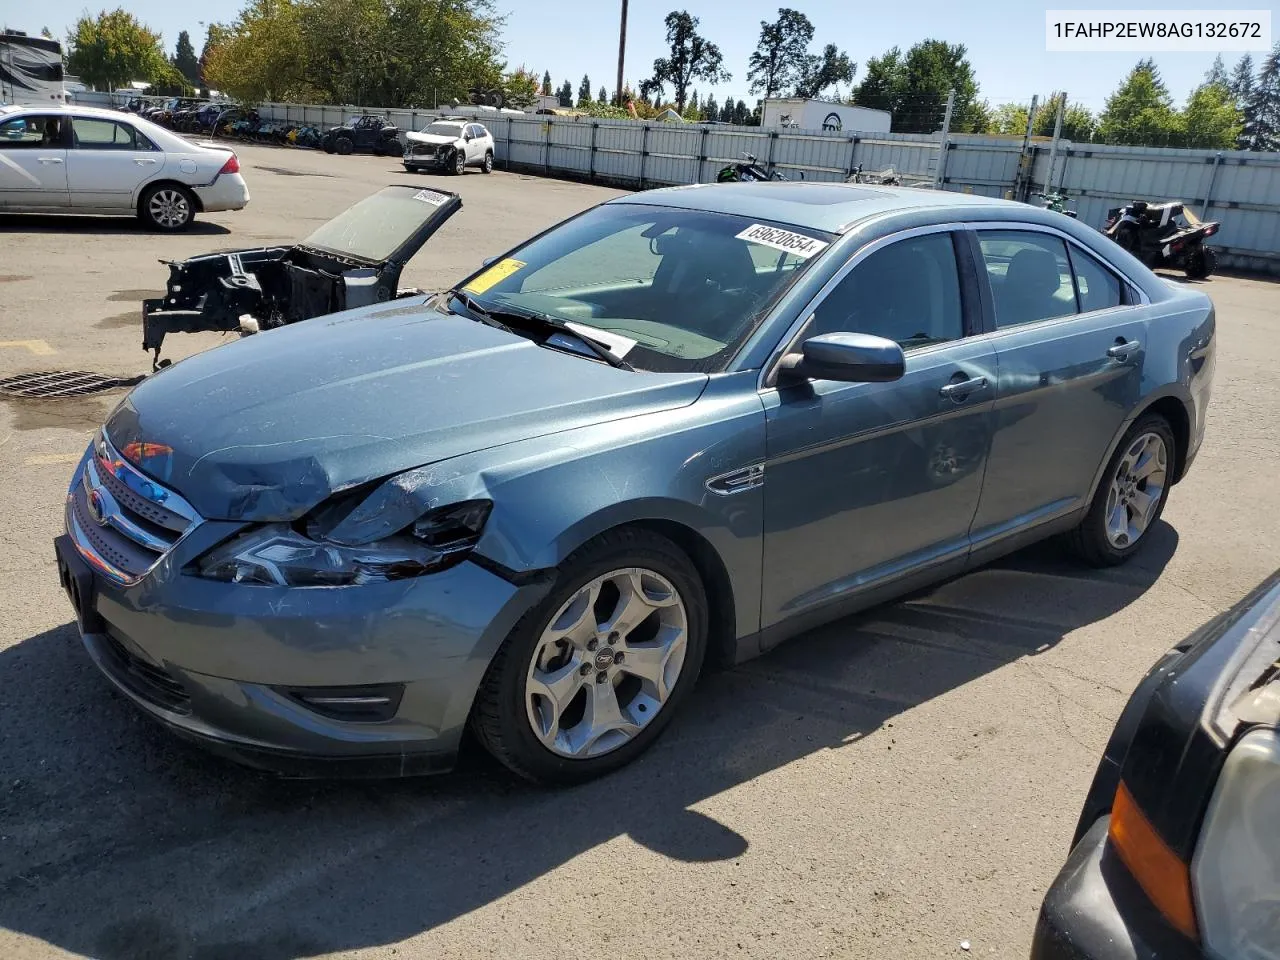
[633,606]
[602,717]
[652,662]
[1152,461]
[577,622]
[1118,524]
[550,692]
[1143,503]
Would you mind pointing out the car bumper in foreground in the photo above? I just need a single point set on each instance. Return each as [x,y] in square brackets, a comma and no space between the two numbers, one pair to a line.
[253,673]
[227,192]
[1096,911]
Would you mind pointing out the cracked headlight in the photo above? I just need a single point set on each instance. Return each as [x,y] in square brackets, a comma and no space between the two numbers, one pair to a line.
[279,555]
[1236,868]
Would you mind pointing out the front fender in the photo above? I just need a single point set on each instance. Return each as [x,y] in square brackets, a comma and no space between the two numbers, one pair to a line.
[554,494]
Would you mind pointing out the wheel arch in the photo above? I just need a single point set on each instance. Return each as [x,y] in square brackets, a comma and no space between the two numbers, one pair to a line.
[1173,406]
[196,202]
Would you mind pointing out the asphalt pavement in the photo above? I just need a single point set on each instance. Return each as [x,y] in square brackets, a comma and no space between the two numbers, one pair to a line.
[887,786]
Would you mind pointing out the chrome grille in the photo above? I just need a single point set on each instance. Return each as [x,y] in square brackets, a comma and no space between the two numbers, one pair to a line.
[121,520]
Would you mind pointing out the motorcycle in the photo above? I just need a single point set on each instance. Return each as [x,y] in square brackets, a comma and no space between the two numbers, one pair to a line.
[748,170]
[1164,235]
[885,178]
[1057,202]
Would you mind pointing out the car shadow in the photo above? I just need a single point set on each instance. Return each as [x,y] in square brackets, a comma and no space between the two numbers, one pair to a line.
[122,843]
[103,225]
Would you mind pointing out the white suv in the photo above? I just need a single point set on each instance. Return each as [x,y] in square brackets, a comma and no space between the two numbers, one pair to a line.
[451,144]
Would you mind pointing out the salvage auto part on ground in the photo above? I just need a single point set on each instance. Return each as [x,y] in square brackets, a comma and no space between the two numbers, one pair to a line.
[353,260]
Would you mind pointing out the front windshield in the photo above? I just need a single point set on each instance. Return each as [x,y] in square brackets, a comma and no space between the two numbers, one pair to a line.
[378,225]
[674,290]
[444,130]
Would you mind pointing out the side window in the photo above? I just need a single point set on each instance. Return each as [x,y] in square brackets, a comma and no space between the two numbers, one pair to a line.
[908,291]
[31,133]
[1098,287]
[1030,276]
[91,134]
[481,131]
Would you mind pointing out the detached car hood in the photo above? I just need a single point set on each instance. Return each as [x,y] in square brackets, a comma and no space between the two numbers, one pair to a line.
[268,427]
[435,138]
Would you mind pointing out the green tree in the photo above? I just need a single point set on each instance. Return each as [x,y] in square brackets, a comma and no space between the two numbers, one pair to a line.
[519,88]
[215,35]
[1217,73]
[46,33]
[741,115]
[565,93]
[259,57]
[1211,119]
[602,96]
[692,57]
[782,54]
[1140,112]
[726,112]
[185,60]
[824,70]
[584,91]
[1241,84]
[914,87]
[546,83]
[711,109]
[1264,103]
[114,49]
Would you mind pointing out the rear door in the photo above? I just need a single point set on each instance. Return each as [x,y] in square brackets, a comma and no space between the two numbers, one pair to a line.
[33,162]
[107,163]
[1070,337]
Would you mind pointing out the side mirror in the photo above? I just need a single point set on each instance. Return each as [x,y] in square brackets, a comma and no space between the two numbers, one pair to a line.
[844,357]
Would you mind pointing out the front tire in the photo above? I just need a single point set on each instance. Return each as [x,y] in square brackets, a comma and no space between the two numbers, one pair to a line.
[344,146]
[1131,496]
[459,162]
[487,167]
[588,679]
[167,207]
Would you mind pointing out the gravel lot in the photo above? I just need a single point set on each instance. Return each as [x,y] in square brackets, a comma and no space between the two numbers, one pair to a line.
[887,786]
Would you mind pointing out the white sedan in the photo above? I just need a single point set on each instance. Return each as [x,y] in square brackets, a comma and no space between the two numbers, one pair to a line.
[87,160]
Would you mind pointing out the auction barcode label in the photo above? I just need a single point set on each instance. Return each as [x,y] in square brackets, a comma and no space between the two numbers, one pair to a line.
[779,239]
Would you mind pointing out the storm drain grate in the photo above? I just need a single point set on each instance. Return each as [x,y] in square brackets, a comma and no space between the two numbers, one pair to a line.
[56,384]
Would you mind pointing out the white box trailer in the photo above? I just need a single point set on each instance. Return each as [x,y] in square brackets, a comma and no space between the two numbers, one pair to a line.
[796,113]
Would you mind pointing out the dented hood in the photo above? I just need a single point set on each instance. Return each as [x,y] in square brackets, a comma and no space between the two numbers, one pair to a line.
[267,427]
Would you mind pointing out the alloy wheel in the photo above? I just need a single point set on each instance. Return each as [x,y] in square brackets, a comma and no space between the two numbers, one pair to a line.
[169,208]
[607,663]
[1137,487]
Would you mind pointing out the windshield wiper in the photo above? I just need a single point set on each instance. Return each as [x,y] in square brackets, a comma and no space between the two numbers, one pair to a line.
[491,316]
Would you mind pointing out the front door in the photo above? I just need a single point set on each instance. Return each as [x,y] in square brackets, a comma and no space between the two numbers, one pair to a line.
[107,163]
[1071,345]
[865,482]
[33,163]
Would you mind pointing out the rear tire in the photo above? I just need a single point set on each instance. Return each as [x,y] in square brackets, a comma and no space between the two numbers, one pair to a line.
[167,207]
[1201,264]
[503,716]
[343,146]
[487,167]
[1115,527]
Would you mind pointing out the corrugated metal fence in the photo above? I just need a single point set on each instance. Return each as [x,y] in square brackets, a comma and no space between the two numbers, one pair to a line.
[1240,189]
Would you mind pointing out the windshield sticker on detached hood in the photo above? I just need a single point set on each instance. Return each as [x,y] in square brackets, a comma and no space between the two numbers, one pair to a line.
[494,275]
[797,243]
[431,197]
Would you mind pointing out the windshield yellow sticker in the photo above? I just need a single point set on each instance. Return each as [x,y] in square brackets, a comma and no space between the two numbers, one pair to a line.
[797,243]
[494,275]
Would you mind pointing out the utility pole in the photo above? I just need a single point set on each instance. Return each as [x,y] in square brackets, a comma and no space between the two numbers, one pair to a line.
[1053,149]
[940,166]
[622,51]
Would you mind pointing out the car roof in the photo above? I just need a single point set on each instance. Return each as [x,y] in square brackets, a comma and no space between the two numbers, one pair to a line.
[830,207]
[79,111]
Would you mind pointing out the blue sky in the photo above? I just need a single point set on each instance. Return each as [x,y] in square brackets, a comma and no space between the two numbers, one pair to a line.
[1005,38]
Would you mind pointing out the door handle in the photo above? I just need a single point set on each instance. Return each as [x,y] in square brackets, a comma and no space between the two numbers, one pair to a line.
[1123,349]
[960,390]
[144,161]
[50,159]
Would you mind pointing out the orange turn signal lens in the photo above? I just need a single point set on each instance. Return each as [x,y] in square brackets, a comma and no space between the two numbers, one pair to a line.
[1161,874]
